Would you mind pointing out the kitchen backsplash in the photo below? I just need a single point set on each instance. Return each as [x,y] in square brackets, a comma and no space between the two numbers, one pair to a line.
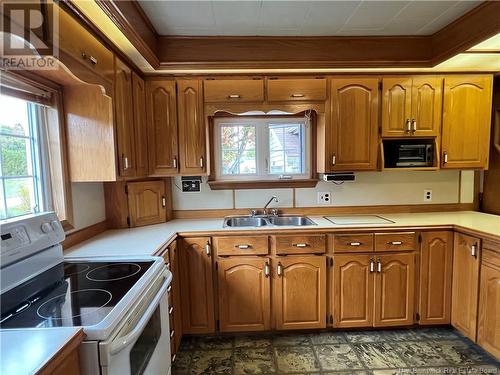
[88,204]
[370,188]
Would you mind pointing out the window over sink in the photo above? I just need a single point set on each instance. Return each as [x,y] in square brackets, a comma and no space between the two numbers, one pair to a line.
[253,148]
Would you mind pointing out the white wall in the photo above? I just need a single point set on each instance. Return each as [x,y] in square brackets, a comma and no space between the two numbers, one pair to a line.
[370,188]
[88,204]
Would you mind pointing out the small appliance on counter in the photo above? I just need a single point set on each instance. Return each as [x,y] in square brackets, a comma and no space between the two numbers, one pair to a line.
[408,153]
[121,303]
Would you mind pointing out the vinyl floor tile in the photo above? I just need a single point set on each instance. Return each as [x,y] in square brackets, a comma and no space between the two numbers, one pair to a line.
[337,357]
[296,359]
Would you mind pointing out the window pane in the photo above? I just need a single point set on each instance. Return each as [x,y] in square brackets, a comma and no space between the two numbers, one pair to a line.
[13,116]
[15,153]
[238,149]
[277,162]
[286,153]
[3,213]
[276,141]
[20,196]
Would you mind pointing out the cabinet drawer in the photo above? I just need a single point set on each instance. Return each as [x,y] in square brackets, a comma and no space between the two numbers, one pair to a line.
[82,46]
[352,243]
[254,245]
[234,90]
[395,241]
[296,89]
[305,244]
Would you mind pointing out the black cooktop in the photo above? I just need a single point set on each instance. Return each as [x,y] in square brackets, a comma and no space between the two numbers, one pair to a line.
[69,294]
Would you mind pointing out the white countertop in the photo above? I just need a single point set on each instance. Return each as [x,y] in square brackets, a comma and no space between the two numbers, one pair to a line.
[28,350]
[149,239]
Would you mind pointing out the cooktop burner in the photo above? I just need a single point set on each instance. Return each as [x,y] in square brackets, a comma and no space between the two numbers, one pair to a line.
[112,272]
[70,294]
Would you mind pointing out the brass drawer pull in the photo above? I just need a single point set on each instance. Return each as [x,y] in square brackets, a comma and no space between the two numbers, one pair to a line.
[354,243]
[170,310]
[395,242]
[243,247]
[300,244]
[234,96]
[172,333]
[297,95]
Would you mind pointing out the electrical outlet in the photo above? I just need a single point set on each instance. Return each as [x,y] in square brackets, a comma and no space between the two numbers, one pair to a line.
[324,197]
[427,195]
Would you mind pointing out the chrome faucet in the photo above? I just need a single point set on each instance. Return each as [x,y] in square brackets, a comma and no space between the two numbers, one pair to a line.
[273,198]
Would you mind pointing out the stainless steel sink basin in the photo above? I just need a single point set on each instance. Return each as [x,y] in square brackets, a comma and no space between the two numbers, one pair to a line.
[259,221]
[291,220]
[244,221]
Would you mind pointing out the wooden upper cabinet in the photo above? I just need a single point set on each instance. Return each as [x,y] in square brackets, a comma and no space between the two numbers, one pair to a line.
[488,335]
[396,106]
[197,294]
[124,118]
[140,125]
[465,284]
[300,292]
[234,90]
[162,127]
[192,132]
[426,105]
[435,277]
[352,291]
[466,121]
[147,203]
[308,89]
[394,290]
[244,294]
[354,124]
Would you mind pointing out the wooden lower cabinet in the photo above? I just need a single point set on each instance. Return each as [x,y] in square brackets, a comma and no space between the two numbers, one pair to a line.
[436,262]
[465,285]
[353,290]
[488,335]
[300,292]
[394,290]
[244,294]
[197,293]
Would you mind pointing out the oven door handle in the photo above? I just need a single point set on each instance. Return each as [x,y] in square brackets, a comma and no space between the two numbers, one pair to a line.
[121,343]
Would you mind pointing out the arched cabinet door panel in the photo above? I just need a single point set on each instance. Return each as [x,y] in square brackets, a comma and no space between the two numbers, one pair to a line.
[300,292]
[396,105]
[244,294]
[147,203]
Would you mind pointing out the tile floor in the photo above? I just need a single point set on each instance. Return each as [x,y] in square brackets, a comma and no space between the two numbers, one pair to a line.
[411,351]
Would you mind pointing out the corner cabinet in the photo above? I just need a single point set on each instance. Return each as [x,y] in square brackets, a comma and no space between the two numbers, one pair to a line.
[353,136]
[161,114]
[192,132]
[466,121]
[465,287]
[300,292]
[197,290]
[411,106]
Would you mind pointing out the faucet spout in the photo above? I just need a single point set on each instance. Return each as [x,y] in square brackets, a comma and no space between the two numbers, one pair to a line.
[273,198]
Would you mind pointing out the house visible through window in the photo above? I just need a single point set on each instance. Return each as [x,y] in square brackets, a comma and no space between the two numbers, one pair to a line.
[262,148]
[22,185]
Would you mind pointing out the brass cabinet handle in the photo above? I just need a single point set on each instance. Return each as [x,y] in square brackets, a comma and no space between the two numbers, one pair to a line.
[413,125]
[379,266]
[408,125]
[234,96]
[170,310]
[208,248]
[473,250]
[279,269]
[243,247]
[354,243]
[445,157]
[372,265]
[174,162]
[334,159]
[91,58]
[395,242]
[300,244]
[163,201]
[174,357]
[125,162]
[267,269]
[169,289]
[172,333]
[202,162]
[297,95]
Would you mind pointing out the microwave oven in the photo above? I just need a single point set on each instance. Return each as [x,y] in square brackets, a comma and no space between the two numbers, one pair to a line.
[408,153]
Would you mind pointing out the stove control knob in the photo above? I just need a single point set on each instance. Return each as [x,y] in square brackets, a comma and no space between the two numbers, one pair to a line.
[46,228]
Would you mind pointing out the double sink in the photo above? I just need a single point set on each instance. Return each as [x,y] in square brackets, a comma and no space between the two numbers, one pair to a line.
[272,220]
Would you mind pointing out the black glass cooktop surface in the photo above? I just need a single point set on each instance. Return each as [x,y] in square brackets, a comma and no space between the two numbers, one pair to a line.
[69,294]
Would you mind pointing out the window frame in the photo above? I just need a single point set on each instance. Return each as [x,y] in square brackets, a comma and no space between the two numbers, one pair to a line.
[262,147]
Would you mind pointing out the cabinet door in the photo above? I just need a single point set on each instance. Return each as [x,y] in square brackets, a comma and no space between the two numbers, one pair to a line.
[353,291]
[435,277]
[197,292]
[140,125]
[394,290]
[192,134]
[162,128]
[396,106]
[300,292]
[124,119]
[426,107]
[354,123]
[465,284]
[244,294]
[466,121]
[488,335]
[147,203]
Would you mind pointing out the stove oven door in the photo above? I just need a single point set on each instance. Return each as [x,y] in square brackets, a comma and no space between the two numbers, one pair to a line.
[142,343]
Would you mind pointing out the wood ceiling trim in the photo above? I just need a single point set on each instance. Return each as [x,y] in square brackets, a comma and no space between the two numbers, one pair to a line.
[215,52]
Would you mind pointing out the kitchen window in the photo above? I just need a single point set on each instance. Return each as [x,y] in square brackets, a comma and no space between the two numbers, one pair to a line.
[252,148]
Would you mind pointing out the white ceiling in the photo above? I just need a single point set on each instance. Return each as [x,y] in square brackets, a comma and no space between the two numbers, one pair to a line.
[302,18]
